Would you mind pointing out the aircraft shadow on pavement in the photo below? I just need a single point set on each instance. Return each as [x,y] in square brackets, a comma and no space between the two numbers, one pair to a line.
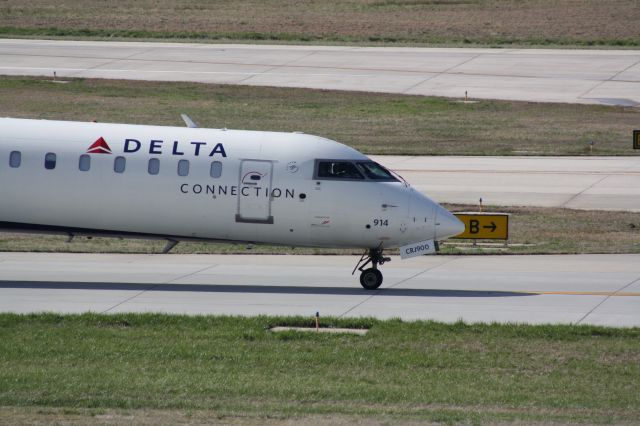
[260,289]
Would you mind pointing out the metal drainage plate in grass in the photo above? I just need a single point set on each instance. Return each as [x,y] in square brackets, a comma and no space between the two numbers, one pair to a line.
[358,331]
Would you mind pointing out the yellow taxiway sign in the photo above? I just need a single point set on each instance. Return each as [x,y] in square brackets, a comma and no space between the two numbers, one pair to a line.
[636,139]
[484,226]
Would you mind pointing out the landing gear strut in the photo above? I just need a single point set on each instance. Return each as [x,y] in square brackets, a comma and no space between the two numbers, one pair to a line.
[371,278]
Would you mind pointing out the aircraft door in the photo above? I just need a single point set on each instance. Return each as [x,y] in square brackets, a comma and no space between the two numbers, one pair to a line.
[254,192]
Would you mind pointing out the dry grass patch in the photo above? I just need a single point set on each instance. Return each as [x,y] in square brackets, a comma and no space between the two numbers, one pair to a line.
[545,22]
[372,123]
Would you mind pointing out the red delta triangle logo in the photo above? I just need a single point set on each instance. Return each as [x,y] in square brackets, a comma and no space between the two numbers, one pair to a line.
[100,146]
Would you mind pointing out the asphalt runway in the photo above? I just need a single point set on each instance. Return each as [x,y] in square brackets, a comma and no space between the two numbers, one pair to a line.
[592,183]
[576,289]
[544,75]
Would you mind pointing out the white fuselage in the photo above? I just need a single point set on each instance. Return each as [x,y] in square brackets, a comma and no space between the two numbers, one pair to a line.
[191,183]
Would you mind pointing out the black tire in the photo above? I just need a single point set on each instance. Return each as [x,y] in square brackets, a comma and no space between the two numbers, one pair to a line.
[371,279]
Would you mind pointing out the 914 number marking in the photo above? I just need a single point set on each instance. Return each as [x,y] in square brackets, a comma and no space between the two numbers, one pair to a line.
[380,222]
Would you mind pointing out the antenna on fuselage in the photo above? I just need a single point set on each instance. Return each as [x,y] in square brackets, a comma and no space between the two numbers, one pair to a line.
[188,121]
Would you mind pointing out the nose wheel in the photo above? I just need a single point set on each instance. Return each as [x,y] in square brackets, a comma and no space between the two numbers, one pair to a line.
[371,278]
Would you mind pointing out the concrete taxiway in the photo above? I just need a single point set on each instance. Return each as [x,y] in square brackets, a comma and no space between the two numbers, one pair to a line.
[576,289]
[545,75]
[592,183]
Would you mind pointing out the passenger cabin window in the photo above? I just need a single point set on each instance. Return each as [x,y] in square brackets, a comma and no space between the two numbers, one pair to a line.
[50,161]
[154,166]
[119,164]
[352,170]
[15,158]
[84,164]
[183,168]
[216,169]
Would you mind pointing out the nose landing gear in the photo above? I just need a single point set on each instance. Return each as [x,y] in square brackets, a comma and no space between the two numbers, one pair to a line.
[371,278]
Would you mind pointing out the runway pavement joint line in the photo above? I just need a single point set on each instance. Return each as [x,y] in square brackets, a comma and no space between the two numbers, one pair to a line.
[438,74]
[190,274]
[575,196]
[109,61]
[607,298]
[582,96]
[153,286]
[382,291]
[275,67]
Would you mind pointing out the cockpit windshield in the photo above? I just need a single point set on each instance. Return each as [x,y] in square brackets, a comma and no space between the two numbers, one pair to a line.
[375,171]
[352,170]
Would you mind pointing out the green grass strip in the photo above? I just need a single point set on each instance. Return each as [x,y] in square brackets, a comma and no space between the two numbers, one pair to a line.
[232,365]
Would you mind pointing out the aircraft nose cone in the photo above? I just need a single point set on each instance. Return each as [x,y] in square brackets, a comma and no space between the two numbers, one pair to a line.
[447,225]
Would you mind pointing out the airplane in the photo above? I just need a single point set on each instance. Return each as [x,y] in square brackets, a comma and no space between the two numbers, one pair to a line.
[218,185]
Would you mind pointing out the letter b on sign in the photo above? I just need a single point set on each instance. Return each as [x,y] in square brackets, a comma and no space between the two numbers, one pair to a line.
[474,226]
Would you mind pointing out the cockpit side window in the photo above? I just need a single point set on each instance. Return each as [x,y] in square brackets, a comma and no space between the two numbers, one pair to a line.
[375,171]
[337,169]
